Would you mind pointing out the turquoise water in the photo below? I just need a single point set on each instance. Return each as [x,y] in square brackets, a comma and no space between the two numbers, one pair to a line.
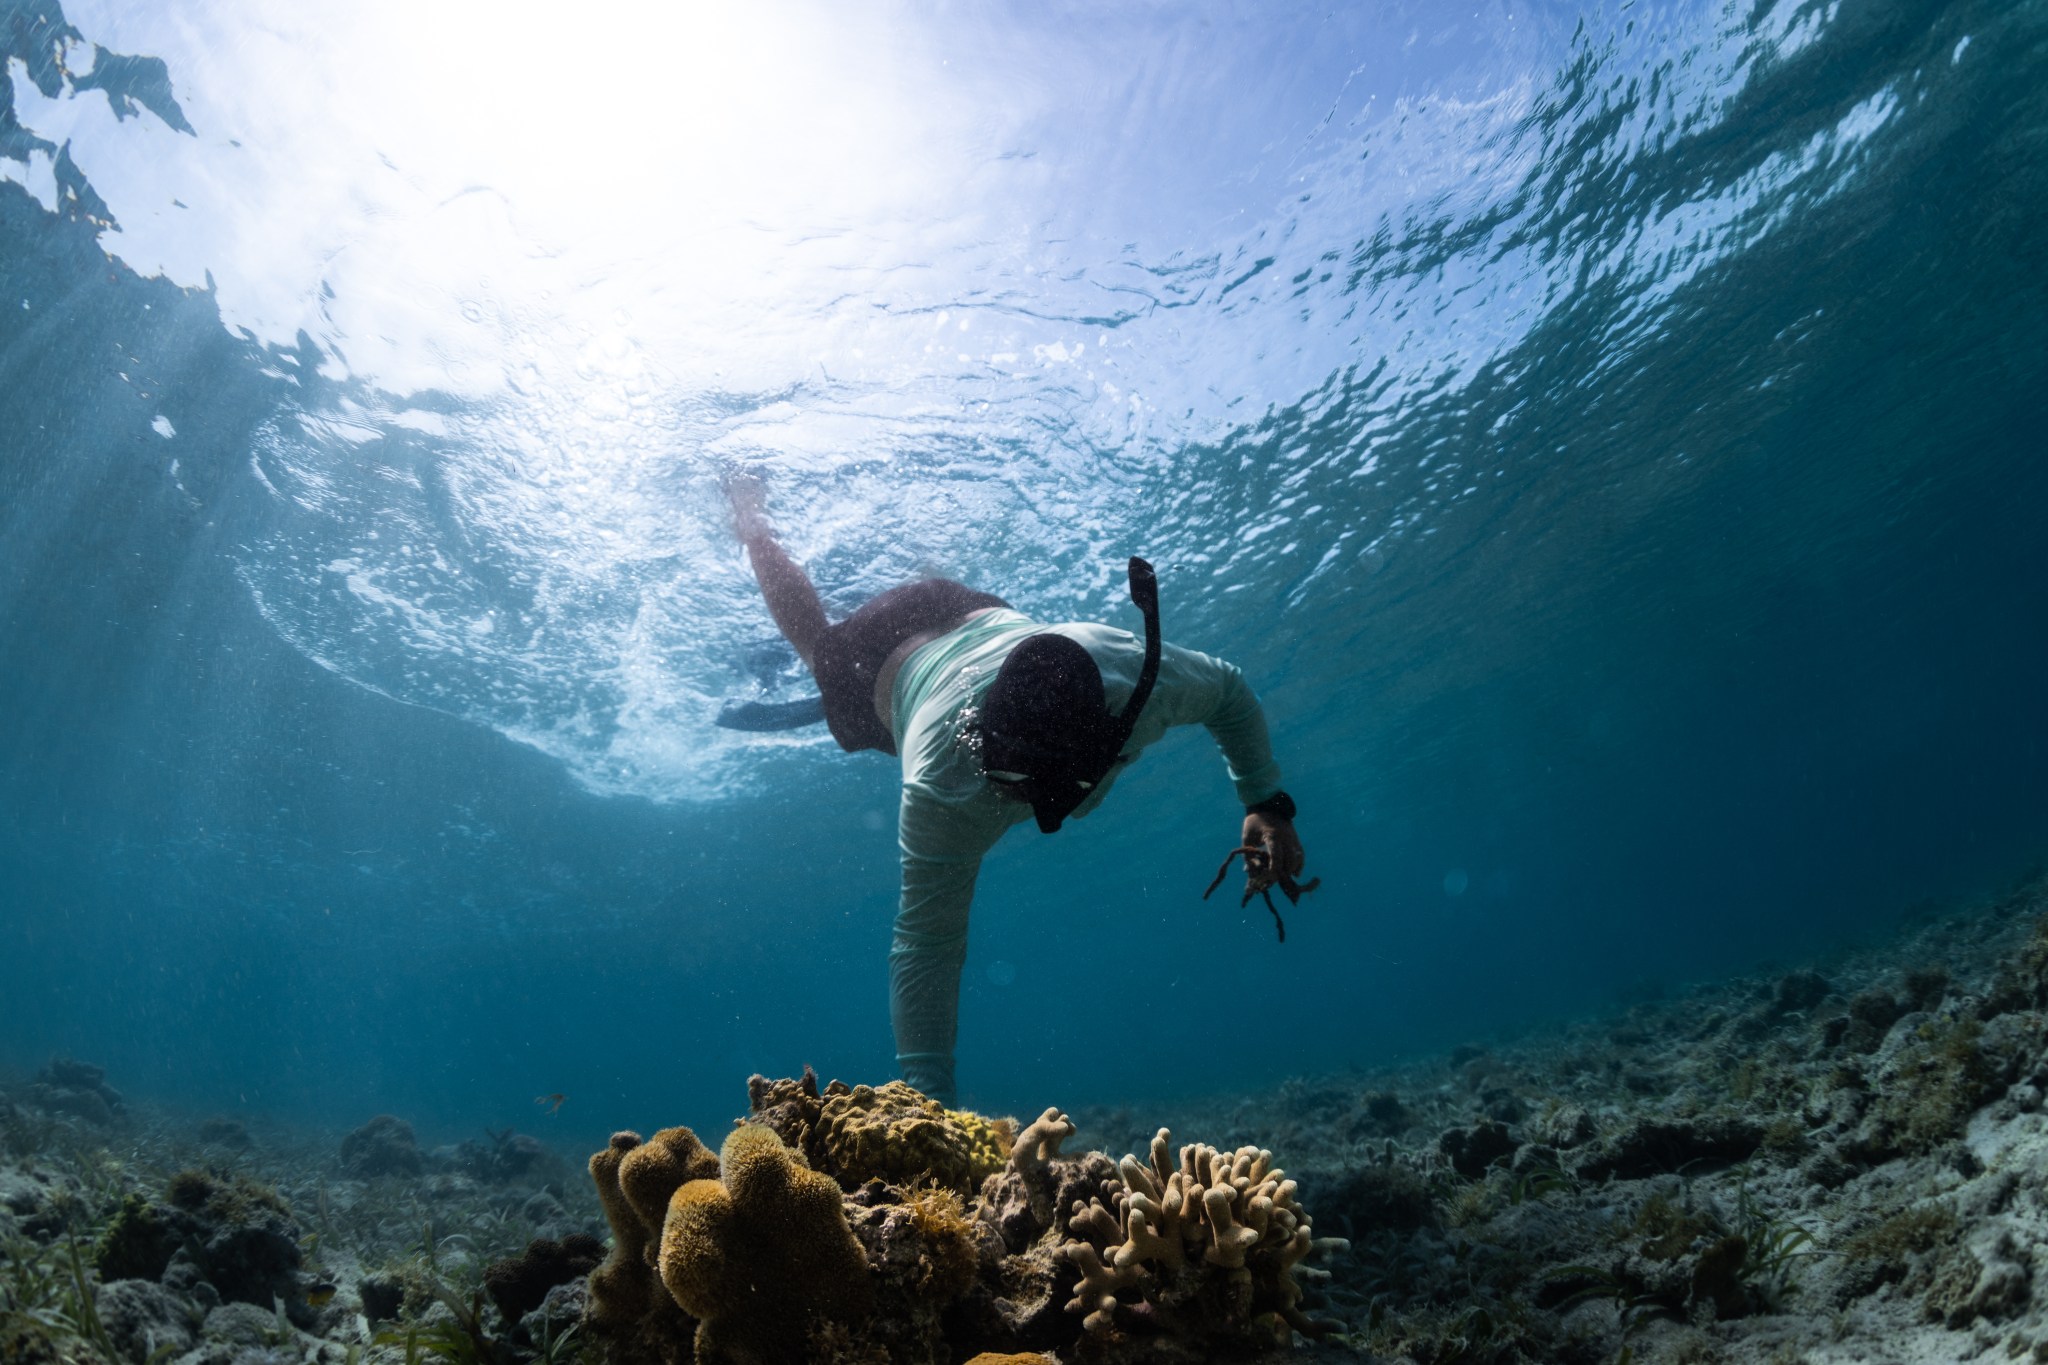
[1609,440]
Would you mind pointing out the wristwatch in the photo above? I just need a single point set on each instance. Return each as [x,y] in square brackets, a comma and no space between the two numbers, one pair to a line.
[1279,805]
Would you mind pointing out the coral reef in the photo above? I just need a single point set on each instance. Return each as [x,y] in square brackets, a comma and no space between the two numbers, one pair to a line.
[1837,1162]
[628,1307]
[68,1086]
[519,1284]
[1208,1245]
[507,1158]
[383,1146]
[160,1241]
[1843,1161]
[763,1256]
[890,1132]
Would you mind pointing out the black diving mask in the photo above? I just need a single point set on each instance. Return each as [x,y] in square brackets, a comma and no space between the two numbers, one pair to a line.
[1048,736]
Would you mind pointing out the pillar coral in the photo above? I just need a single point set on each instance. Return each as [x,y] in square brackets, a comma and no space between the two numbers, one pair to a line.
[634,1180]
[763,1257]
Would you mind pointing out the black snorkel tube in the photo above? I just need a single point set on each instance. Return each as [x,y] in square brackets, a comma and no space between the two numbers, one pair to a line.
[1055,797]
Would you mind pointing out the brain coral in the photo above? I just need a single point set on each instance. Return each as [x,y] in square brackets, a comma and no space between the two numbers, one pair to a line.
[1210,1244]
[894,1133]
[765,1258]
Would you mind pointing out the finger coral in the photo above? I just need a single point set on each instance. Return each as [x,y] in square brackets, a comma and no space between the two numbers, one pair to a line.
[764,1257]
[1209,1245]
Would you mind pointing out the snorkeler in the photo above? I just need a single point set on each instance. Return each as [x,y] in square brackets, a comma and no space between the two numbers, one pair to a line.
[998,718]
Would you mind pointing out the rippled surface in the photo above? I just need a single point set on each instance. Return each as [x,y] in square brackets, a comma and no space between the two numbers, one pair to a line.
[497,499]
[1603,438]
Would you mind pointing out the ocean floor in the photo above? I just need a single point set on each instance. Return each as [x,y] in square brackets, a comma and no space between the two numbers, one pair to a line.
[1843,1161]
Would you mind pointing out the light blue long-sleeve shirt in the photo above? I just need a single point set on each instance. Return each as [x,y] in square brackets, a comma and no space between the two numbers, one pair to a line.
[951,815]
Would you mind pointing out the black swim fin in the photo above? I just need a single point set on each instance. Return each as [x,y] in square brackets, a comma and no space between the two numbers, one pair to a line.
[772,715]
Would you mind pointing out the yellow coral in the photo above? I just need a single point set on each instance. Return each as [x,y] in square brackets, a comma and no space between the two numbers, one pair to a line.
[988,1141]
[634,1181]
[620,1289]
[652,1172]
[949,1248]
[892,1132]
[765,1257]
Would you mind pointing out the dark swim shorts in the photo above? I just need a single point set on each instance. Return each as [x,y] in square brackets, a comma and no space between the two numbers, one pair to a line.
[854,650]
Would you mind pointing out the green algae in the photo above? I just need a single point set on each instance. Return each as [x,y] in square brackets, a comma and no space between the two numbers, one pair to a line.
[1939,1080]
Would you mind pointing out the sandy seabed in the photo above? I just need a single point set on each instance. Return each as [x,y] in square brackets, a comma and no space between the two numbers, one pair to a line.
[1847,1161]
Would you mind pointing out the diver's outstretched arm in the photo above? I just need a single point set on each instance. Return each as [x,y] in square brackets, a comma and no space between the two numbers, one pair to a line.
[791,599]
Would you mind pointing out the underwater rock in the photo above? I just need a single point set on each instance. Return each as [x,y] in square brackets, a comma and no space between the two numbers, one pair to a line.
[76,1088]
[1871,1015]
[1563,1125]
[1471,1150]
[1387,1196]
[1718,1277]
[235,1236]
[1827,1169]
[1382,1115]
[137,1243]
[519,1284]
[225,1132]
[143,1319]
[923,1253]
[1503,1105]
[1659,1146]
[1931,1073]
[239,1325]
[255,1262]
[1926,987]
[509,1156]
[1797,991]
[763,1257]
[794,1109]
[383,1146]
[184,1278]
[559,1312]
[383,1295]
[1988,1277]
[2022,980]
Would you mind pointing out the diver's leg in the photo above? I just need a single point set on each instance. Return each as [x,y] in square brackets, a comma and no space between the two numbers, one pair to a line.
[787,589]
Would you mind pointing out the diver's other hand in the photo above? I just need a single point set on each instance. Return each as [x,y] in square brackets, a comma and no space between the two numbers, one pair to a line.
[749,499]
[1275,836]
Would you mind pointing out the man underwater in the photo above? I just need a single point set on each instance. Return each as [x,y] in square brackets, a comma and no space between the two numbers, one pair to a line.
[998,719]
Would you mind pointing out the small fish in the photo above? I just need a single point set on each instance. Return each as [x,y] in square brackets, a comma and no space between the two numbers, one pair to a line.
[551,1103]
[320,1295]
